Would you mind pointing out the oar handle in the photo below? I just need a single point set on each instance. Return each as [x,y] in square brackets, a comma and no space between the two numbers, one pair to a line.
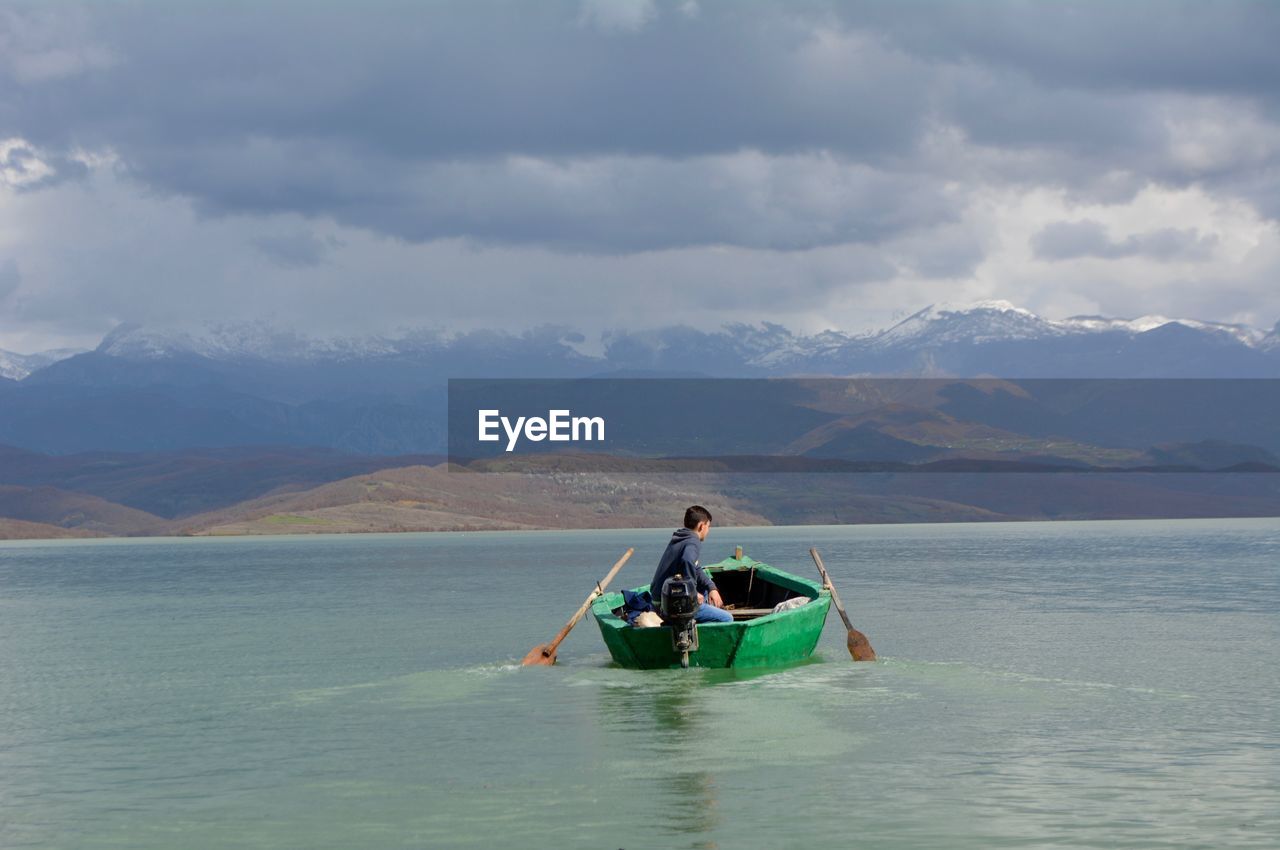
[826,582]
[550,648]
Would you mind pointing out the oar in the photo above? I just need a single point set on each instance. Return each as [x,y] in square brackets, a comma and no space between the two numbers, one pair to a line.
[859,646]
[545,654]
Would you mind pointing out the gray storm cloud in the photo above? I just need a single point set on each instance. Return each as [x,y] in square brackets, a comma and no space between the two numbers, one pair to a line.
[570,139]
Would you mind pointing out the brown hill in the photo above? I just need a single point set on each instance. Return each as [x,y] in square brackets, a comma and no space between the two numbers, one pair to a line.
[65,509]
[17,529]
[422,498]
[941,436]
[965,496]
[181,483]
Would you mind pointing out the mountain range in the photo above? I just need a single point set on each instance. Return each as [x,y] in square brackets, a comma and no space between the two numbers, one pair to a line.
[250,429]
[155,390]
[936,341]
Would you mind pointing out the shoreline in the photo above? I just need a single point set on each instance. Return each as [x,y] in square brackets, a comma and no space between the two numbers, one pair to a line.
[86,537]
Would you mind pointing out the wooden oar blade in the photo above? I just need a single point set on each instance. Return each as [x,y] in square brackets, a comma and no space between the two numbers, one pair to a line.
[539,656]
[859,647]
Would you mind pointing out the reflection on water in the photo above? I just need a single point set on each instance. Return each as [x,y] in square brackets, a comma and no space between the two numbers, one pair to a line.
[680,734]
[660,726]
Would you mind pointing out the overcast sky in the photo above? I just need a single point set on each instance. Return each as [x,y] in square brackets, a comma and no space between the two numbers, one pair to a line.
[354,168]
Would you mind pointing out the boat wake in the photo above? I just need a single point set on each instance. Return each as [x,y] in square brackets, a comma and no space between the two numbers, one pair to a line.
[428,687]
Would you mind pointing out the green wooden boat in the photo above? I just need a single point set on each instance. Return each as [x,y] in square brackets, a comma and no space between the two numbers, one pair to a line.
[757,637]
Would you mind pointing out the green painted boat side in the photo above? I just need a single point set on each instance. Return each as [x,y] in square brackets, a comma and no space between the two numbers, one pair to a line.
[768,641]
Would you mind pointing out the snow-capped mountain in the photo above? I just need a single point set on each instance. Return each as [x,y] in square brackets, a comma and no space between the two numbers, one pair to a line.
[1246,335]
[986,338]
[994,321]
[1271,341]
[257,384]
[985,321]
[238,341]
[15,366]
[1000,338]
[263,342]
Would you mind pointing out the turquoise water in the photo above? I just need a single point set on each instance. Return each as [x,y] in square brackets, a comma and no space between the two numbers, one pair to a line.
[1108,684]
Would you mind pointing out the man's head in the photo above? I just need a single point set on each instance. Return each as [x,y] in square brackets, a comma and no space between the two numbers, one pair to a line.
[698,520]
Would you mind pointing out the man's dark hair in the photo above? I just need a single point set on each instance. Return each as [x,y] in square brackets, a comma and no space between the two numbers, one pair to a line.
[694,515]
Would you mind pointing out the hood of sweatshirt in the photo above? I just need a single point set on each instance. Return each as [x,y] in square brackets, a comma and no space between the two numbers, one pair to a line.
[684,534]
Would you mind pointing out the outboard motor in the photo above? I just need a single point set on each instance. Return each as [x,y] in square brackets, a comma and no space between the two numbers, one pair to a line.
[679,605]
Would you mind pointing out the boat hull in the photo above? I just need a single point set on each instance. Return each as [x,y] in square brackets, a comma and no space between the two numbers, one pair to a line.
[768,641]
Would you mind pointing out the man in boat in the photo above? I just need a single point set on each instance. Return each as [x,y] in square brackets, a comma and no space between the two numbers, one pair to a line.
[683,557]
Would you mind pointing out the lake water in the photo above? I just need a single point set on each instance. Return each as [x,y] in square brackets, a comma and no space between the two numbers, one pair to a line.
[1107,684]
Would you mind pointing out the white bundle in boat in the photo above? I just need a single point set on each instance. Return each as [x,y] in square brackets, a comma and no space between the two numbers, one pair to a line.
[647,620]
[788,604]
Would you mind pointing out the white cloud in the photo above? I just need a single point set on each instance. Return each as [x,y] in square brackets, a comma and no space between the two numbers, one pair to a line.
[21,165]
[624,163]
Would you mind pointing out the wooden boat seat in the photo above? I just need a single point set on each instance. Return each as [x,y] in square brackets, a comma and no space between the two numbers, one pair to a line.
[749,613]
